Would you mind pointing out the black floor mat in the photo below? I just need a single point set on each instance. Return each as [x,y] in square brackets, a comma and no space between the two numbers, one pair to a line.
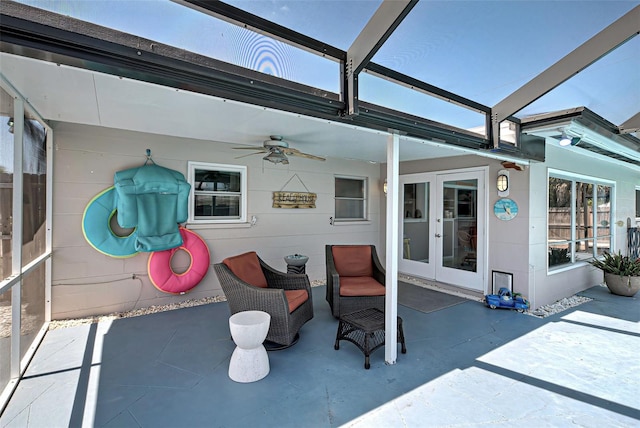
[423,299]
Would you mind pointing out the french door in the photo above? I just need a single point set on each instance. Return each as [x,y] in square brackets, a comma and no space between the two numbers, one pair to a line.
[442,227]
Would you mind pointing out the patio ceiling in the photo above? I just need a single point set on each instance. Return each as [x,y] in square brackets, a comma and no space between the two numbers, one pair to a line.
[70,94]
[409,43]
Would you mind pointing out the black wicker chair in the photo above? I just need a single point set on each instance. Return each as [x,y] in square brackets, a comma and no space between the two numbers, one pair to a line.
[249,284]
[357,267]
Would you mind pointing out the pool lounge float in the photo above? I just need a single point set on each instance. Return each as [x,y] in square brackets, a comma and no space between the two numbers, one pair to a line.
[155,200]
[96,227]
[162,275]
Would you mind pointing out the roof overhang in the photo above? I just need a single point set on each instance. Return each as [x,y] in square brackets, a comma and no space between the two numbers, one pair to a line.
[47,36]
[596,134]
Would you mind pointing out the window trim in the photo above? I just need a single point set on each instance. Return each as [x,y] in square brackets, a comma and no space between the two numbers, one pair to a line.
[242,169]
[637,202]
[365,200]
[573,178]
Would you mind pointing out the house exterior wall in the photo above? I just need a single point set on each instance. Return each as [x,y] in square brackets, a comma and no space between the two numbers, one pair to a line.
[547,287]
[507,241]
[86,282]
[519,246]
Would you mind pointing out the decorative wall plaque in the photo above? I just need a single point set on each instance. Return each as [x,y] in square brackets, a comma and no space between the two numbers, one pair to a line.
[283,199]
[294,200]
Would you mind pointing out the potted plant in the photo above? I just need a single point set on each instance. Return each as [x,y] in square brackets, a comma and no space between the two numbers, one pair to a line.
[621,273]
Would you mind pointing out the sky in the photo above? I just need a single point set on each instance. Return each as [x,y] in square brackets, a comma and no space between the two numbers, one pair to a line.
[482,50]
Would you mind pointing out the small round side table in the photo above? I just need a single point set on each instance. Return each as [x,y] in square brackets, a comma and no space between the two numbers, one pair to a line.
[249,361]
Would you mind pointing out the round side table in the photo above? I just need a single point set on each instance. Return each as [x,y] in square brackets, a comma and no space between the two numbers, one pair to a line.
[249,361]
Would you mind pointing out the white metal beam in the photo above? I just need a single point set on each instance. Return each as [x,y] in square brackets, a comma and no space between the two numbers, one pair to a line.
[383,22]
[630,125]
[584,55]
[16,235]
[392,242]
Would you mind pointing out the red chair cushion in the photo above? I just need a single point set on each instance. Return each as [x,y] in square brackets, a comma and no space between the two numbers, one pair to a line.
[351,286]
[295,298]
[247,267]
[353,260]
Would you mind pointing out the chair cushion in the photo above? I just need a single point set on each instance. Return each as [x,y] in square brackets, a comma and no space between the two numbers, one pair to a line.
[247,267]
[353,260]
[295,298]
[351,286]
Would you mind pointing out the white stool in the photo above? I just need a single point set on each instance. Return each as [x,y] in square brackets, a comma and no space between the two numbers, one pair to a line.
[249,361]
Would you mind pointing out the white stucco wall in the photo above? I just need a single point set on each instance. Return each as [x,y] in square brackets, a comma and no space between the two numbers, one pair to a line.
[86,282]
[507,241]
[546,287]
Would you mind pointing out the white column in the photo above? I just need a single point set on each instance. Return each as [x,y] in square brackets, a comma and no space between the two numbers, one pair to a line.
[391,265]
[16,235]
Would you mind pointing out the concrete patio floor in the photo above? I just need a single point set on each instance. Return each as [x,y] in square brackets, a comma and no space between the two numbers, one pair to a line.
[466,365]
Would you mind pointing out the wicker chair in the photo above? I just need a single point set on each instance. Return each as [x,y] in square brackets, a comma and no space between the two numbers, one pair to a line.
[250,284]
[355,278]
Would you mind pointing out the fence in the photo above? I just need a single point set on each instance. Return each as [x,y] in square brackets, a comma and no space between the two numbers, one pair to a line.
[633,238]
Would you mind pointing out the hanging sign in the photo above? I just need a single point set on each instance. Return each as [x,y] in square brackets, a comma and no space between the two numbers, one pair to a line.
[294,200]
[282,199]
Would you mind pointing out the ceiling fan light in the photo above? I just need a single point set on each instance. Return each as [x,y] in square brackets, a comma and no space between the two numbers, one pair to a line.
[276,157]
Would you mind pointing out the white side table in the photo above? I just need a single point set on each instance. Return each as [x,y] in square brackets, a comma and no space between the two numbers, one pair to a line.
[249,361]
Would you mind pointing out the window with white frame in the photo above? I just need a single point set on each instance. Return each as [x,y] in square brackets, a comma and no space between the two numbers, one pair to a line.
[350,198]
[579,218]
[218,193]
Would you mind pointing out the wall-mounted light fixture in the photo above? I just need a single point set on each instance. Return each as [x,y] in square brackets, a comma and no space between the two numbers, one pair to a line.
[384,186]
[568,141]
[502,183]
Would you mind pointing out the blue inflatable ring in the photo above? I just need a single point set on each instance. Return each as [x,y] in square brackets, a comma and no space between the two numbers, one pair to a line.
[96,227]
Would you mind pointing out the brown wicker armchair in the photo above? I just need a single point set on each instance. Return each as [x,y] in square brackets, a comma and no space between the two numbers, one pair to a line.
[355,278]
[250,284]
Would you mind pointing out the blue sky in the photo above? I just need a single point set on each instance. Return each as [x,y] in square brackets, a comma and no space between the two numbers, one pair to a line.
[483,50]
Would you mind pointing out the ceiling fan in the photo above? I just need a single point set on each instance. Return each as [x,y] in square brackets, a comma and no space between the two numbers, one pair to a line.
[277,151]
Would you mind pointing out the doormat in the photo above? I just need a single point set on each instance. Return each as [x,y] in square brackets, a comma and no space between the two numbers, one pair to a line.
[425,300]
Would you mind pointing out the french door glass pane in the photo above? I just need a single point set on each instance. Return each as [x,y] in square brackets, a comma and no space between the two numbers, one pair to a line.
[415,237]
[460,224]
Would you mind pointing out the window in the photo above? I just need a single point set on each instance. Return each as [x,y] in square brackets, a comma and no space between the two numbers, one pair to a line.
[351,198]
[637,203]
[416,200]
[579,219]
[218,193]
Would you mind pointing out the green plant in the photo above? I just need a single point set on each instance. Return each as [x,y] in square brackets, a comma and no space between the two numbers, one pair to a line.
[617,264]
[558,256]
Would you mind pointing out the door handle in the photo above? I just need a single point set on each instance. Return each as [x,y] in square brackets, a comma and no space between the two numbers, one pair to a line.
[438,235]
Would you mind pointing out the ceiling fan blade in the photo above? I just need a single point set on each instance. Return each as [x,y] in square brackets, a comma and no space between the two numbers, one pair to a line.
[257,148]
[296,152]
[250,154]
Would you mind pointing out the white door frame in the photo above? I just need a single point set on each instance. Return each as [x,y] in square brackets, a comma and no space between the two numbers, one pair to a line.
[476,281]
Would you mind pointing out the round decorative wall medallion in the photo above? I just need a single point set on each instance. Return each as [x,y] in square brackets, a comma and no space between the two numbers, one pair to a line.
[505,209]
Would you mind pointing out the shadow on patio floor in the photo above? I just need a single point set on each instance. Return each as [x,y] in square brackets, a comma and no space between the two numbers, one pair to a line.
[465,365]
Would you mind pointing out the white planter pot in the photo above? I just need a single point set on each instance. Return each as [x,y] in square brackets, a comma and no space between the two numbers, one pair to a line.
[622,285]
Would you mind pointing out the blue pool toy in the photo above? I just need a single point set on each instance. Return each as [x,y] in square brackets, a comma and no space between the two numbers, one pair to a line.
[506,300]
